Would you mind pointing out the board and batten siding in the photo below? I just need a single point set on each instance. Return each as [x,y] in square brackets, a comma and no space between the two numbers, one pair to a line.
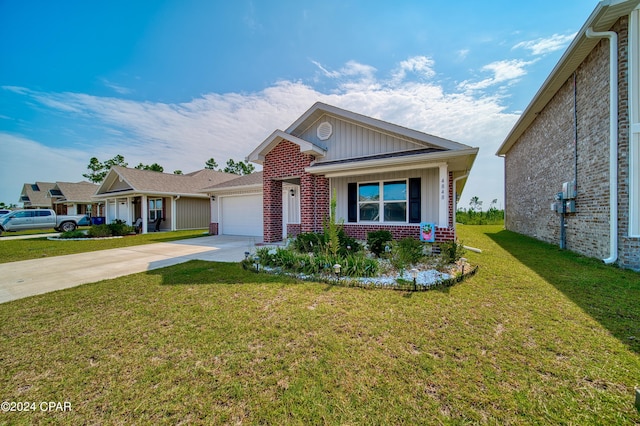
[192,213]
[429,189]
[349,140]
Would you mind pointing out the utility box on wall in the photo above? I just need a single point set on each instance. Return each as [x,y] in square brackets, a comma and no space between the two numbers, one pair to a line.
[570,206]
[569,190]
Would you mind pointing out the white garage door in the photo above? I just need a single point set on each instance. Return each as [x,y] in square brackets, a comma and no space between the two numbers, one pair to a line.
[242,215]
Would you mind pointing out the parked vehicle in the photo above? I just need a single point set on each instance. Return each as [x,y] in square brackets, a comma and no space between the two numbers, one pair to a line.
[20,220]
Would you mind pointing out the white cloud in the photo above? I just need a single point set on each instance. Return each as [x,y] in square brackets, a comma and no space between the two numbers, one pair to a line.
[503,71]
[543,46]
[184,135]
[419,65]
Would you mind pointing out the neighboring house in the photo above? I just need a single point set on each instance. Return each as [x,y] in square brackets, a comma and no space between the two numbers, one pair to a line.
[583,126]
[384,176]
[36,195]
[176,200]
[75,198]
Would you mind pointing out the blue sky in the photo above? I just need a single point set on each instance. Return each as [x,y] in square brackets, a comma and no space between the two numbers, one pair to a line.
[176,82]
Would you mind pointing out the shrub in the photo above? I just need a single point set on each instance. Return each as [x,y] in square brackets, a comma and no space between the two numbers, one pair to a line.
[377,241]
[119,227]
[407,251]
[451,251]
[73,234]
[98,231]
[308,242]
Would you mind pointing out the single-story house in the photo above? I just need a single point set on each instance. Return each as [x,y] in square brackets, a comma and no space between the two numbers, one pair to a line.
[572,161]
[36,195]
[175,201]
[384,176]
[75,198]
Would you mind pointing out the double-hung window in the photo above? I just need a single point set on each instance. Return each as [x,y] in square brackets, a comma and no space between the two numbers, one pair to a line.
[382,201]
[155,209]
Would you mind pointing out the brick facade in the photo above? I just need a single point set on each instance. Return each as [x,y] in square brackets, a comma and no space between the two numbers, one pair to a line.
[286,161]
[546,155]
[398,232]
[213,228]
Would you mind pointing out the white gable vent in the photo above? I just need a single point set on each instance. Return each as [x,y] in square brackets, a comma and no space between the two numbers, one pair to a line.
[324,130]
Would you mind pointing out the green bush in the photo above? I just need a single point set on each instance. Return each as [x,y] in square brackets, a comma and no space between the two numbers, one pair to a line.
[377,240]
[308,242]
[73,234]
[405,252]
[119,227]
[99,231]
[451,251]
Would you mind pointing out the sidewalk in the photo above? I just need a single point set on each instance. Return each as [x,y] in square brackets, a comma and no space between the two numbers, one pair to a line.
[37,276]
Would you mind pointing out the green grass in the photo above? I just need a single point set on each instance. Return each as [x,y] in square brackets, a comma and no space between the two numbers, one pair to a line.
[34,248]
[537,336]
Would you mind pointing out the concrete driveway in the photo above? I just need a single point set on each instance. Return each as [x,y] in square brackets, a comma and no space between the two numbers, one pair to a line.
[37,276]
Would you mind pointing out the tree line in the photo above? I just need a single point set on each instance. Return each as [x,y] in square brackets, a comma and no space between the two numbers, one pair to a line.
[98,170]
[475,216]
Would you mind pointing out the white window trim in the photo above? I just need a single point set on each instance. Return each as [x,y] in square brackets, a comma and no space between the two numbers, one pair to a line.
[382,200]
[634,128]
[154,209]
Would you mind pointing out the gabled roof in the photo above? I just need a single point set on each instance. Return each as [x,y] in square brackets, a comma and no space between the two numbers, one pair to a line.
[295,132]
[241,182]
[79,192]
[319,109]
[602,18]
[36,194]
[123,180]
[258,154]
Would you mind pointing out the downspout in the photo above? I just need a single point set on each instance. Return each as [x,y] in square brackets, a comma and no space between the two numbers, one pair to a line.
[613,140]
[455,203]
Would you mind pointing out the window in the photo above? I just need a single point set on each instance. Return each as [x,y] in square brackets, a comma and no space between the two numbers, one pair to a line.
[390,198]
[43,213]
[155,209]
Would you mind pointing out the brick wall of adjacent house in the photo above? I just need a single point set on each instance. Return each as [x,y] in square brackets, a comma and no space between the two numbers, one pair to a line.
[546,155]
[286,161]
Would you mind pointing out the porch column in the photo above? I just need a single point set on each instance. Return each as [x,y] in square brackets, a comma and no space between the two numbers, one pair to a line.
[314,202]
[144,212]
[272,210]
[443,197]
[174,203]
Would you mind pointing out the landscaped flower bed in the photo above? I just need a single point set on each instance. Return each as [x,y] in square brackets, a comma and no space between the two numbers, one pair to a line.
[380,262]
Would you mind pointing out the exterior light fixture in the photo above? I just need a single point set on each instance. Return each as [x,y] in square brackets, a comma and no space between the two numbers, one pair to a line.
[256,261]
[336,269]
[414,275]
[462,262]
[246,255]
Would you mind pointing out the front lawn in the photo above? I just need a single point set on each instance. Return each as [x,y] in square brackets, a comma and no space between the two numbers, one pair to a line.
[211,343]
[34,248]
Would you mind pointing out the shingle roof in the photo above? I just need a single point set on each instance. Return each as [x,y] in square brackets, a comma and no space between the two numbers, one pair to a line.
[246,180]
[37,193]
[79,192]
[155,182]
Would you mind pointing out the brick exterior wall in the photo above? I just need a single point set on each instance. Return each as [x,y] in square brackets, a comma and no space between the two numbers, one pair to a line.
[398,232]
[286,161]
[546,155]
[213,228]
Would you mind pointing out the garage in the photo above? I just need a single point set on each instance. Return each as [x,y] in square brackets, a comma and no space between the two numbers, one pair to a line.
[242,215]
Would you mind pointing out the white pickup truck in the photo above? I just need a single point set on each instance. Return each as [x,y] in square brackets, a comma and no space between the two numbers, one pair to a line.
[20,220]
